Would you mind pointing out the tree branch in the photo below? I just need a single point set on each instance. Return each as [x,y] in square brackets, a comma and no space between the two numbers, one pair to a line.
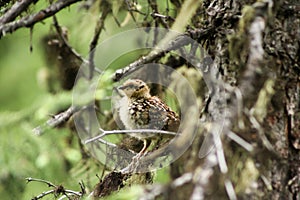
[106,9]
[65,41]
[30,20]
[179,41]
[56,120]
[57,189]
[15,10]
[141,131]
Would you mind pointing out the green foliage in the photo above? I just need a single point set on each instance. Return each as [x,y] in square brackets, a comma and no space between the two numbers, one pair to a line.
[129,193]
[23,106]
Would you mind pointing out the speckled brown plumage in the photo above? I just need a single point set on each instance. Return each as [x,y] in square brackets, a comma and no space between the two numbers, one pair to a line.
[139,110]
[152,113]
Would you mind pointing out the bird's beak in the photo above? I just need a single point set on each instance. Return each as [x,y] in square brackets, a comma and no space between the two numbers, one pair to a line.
[121,87]
[119,90]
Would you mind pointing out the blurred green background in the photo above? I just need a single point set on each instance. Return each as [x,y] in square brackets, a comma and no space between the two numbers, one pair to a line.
[25,104]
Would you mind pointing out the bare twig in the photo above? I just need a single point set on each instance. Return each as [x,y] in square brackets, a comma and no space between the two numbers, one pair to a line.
[163,17]
[130,9]
[29,179]
[177,42]
[65,41]
[140,131]
[15,11]
[155,14]
[58,189]
[56,120]
[183,179]
[239,141]
[261,133]
[102,141]
[30,20]
[106,9]
[219,150]
[43,194]
[170,42]
[136,65]
[203,175]
[230,189]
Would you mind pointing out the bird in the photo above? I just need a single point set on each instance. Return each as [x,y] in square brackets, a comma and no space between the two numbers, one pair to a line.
[138,109]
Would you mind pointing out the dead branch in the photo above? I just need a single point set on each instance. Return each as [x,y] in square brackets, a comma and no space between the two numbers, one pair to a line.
[56,120]
[65,41]
[106,9]
[15,11]
[57,189]
[30,20]
[178,42]
[141,131]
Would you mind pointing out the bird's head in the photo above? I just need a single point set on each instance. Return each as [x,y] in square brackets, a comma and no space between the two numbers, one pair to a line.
[134,88]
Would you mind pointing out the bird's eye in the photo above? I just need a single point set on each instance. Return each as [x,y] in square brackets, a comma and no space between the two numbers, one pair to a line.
[131,86]
[142,86]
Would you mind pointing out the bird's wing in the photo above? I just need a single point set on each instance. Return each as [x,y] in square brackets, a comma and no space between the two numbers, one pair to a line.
[161,116]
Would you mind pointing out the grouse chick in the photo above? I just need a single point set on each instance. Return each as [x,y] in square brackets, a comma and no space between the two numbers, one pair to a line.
[139,110]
